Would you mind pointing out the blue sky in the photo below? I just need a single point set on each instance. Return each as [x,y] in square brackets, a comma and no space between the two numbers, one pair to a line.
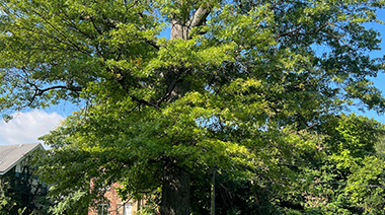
[379,81]
[29,125]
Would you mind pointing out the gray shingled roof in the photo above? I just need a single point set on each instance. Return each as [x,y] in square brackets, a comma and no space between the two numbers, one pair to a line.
[10,155]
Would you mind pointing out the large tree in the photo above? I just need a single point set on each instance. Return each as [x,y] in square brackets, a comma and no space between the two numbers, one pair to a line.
[234,90]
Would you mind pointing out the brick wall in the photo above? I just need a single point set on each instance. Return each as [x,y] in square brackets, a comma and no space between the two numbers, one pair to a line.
[116,205]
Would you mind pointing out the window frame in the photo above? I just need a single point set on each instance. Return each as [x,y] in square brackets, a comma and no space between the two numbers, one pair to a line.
[102,209]
[124,208]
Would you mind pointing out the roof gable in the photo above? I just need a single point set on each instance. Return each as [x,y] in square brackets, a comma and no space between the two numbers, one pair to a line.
[11,155]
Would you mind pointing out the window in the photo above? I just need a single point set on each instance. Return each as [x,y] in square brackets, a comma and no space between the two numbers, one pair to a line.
[103,209]
[127,209]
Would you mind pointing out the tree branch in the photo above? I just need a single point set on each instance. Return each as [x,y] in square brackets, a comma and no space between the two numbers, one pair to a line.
[134,98]
[199,16]
[61,33]
[39,92]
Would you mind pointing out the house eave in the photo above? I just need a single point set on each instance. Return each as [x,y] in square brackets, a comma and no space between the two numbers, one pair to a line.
[22,158]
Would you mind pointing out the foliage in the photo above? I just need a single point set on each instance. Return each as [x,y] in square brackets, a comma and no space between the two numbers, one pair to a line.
[254,89]
[18,193]
[348,178]
[5,201]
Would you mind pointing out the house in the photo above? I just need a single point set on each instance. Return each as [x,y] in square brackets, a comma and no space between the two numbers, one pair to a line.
[116,206]
[12,156]
[16,176]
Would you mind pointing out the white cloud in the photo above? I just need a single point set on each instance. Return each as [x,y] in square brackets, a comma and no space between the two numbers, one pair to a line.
[27,127]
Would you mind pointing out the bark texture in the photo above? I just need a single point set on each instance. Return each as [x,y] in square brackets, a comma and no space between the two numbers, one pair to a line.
[175,191]
[176,181]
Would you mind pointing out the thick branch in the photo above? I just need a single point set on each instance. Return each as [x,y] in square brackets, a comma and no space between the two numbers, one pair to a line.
[71,88]
[39,92]
[199,16]
[180,29]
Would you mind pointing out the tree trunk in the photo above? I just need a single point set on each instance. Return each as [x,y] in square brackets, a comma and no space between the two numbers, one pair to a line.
[179,31]
[176,181]
[175,191]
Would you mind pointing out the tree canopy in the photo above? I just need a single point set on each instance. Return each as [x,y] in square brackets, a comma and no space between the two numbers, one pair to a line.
[252,90]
